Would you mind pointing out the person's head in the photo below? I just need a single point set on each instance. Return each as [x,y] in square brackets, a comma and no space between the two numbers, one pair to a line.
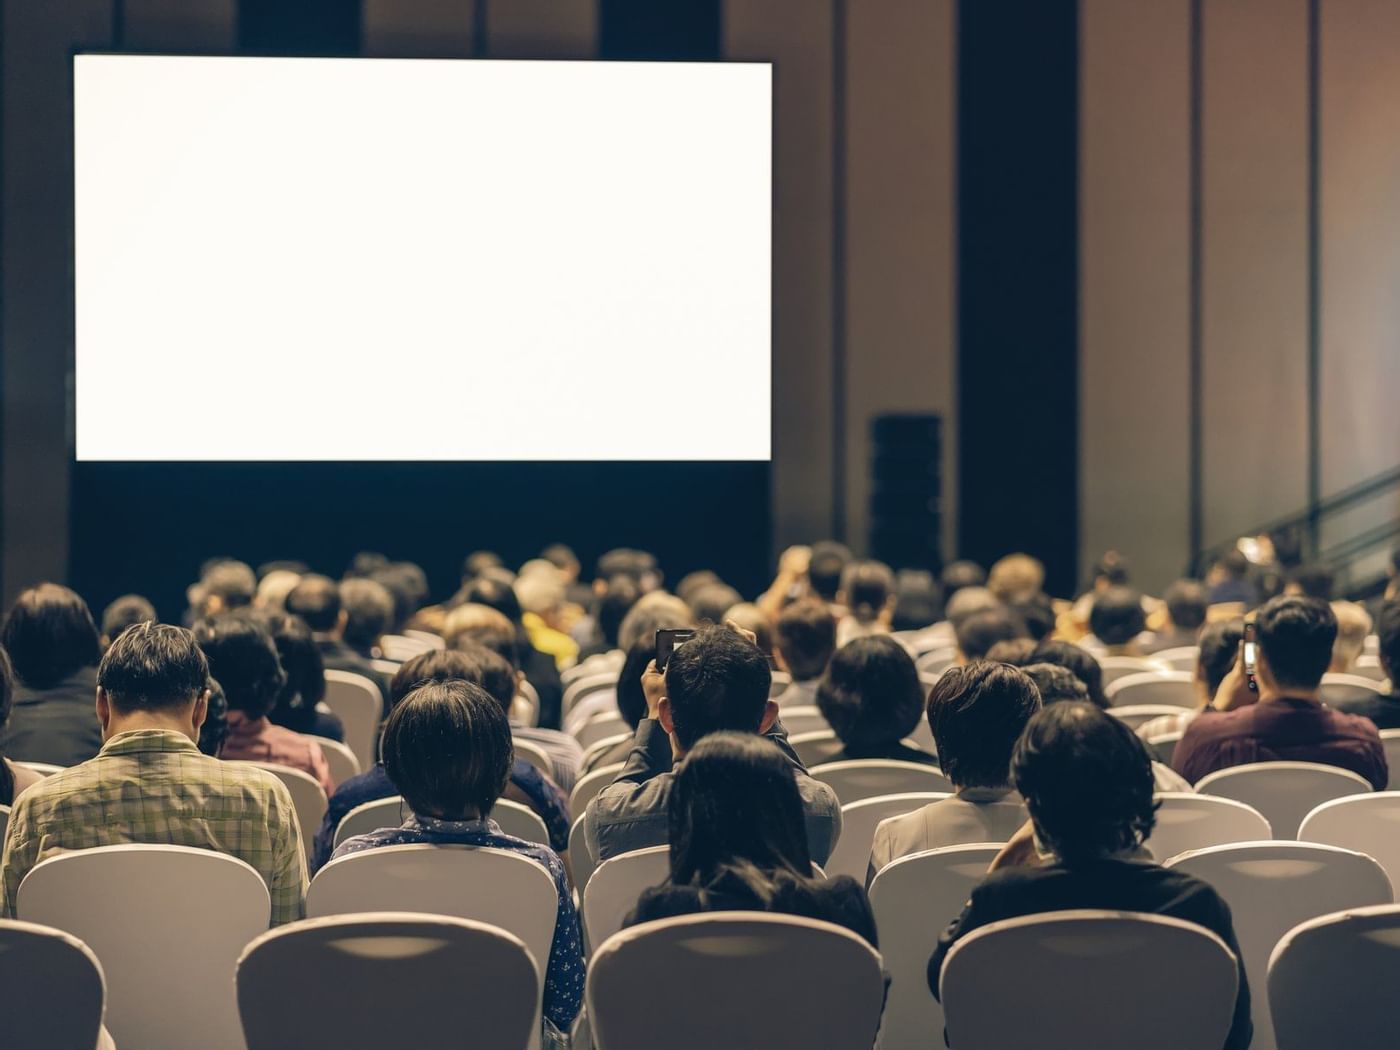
[479,623]
[1218,650]
[641,566]
[479,563]
[1013,651]
[871,694]
[1110,571]
[122,613]
[1296,636]
[618,595]
[243,657]
[717,680]
[712,601]
[979,632]
[153,674]
[316,599]
[1037,612]
[918,601]
[274,588]
[651,613]
[826,567]
[1116,617]
[447,748]
[489,669]
[1232,565]
[369,612]
[754,620]
[408,583]
[1078,662]
[563,558]
[969,601]
[1353,625]
[300,657]
[805,639]
[213,731]
[49,635]
[977,713]
[867,590]
[224,585]
[958,575]
[1056,684]
[486,590]
[541,592]
[1187,601]
[1015,577]
[692,582]
[365,562]
[734,804]
[435,665]
[631,700]
[1311,581]
[1388,634]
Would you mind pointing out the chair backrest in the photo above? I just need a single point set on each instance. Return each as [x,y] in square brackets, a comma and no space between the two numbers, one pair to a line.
[1089,979]
[402,648]
[168,924]
[615,885]
[598,747]
[1372,645]
[1175,689]
[428,638]
[778,684]
[1370,667]
[1134,715]
[1348,688]
[387,812]
[535,755]
[525,708]
[52,991]
[1390,740]
[936,661]
[806,719]
[1162,746]
[308,799]
[581,687]
[1368,824]
[922,737]
[46,769]
[388,668]
[355,700]
[1184,658]
[1285,792]
[1326,976]
[1116,667]
[341,760]
[1187,821]
[858,823]
[1272,887]
[713,963]
[914,899]
[605,726]
[580,860]
[599,663]
[519,820]
[867,778]
[458,976]
[811,748]
[589,785]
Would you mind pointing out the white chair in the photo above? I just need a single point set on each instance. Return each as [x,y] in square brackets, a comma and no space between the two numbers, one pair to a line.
[1136,715]
[428,638]
[598,747]
[46,769]
[581,862]
[341,760]
[520,821]
[401,648]
[922,737]
[778,684]
[867,778]
[812,748]
[1390,740]
[356,701]
[52,992]
[858,823]
[388,668]
[1284,792]
[600,663]
[535,755]
[1348,688]
[1162,746]
[799,721]
[615,885]
[1371,646]
[455,975]
[936,661]
[606,726]
[525,708]
[1089,979]
[599,702]
[168,924]
[308,799]
[1188,822]
[1370,667]
[914,899]
[1183,659]
[582,687]
[1176,689]
[588,786]
[1272,887]
[1368,824]
[1116,667]
[769,981]
[380,813]
[1329,978]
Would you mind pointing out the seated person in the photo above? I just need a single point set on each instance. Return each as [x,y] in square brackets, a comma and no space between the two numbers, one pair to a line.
[1187,603]
[122,613]
[872,697]
[867,594]
[316,600]
[980,631]
[151,785]
[739,842]
[1117,624]
[1285,720]
[977,714]
[1087,782]
[300,657]
[527,785]
[447,751]
[13,778]
[631,704]
[1228,581]
[1014,651]
[1353,625]
[1383,709]
[1080,662]
[1016,577]
[718,680]
[369,615]
[1218,651]
[243,658]
[803,645]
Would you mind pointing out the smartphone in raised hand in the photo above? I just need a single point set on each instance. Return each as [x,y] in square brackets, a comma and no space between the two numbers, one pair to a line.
[668,640]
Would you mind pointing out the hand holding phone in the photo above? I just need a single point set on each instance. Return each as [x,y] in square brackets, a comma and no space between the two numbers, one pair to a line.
[1251,656]
[668,640]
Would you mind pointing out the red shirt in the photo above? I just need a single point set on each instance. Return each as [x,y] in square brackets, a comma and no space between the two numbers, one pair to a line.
[261,741]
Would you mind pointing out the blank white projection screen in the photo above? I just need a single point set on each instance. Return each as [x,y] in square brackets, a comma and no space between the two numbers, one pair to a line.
[351,259]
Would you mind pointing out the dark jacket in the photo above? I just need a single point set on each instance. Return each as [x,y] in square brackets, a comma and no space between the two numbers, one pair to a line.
[56,725]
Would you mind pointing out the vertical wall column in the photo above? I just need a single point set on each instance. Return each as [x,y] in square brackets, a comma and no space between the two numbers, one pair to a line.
[414,28]
[197,25]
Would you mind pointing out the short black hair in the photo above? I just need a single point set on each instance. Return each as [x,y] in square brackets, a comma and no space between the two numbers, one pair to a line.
[1112,568]
[918,600]
[561,556]
[959,574]
[243,657]
[153,667]
[1219,649]
[1296,635]
[825,566]
[979,632]
[868,586]
[1388,634]
[490,670]
[489,591]
[232,581]
[1079,662]
[213,731]
[613,605]
[369,611]
[691,582]
[1056,684]
[717,680]
[1116,617]
[316,599]
[977,713]
[304,670]
[871,693]
[806,637]
[362,564]
[1037,611]
[625,561]
[408,585]
[1315,581]
[49,635]
[1235,564]
[447,748]
[125,611]
[1014,651]
[1187,601]
[1087,781]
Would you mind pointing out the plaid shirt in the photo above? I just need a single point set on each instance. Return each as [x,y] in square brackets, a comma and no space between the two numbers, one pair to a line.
[154,787]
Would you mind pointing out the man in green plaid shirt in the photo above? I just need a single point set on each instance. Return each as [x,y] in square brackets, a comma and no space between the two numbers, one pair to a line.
[151,785]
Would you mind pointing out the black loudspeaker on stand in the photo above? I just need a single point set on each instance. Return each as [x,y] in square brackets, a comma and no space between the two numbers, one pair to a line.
[906,491]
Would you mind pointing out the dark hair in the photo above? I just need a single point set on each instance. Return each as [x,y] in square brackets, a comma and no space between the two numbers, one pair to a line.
[1116,617]
[1078,662]
[436,665]
[1056,684]
[1296,637]
[214,730]
[979,632]
[918,600]
[1235,564]
[1315,581]
[1014,651]
[125,611]
[613,605]
[407,585]
[717,680]
[561,556]
[316,599]
[806,637]
[297,568]
[478,562]
[1187,601]
[7,699]
[1388,634]
[735,806]
[977,713]
[153,667]
[490,670]
[691,582]
[631,700]
[1037,612]
[232,581]
[712,601]
[868,587]
[486,590]
[363,563]
[49,634]
[1219,644]
[625,561]
[369,612]
[871,693]
[1087,781]
[447,748]
[305,672]
[959,574]
[243,657]
[1112,568]
[825,566]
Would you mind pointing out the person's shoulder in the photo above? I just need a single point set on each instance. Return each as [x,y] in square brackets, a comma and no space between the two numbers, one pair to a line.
[1210,723]
[1353,724]
[814,791]
[539,853]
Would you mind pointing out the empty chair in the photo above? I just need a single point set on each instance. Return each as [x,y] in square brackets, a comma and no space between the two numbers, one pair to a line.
[615,885]
[1370,667]
[341,760]
[1390,740]
[519,820]
[586,787]
[463,980]
[1174,689]
[52,992]
[1182,659]
[1077,979]
[811,748]
[867,778]
[308,799]
[168,948]
[1188,821]
[936,661]
[1368,824]
[606,726]
[858,823]
[1116,667]
[401,647]
[1135,715]
[535,755]
[580,688]
[1284,792]
[388,812]
[914,898]
[1327,981]
[1348,688]
[356,701]
[1162,747]
[800,720]
[1272,887]
[738,980]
